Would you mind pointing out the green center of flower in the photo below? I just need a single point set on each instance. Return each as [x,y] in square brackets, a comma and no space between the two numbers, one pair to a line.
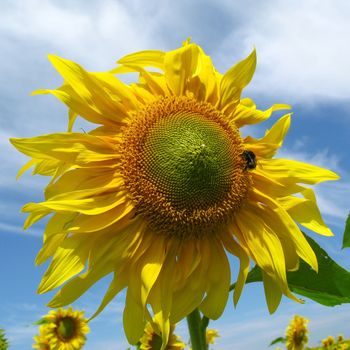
[183,167]
[189,159]
[66,328]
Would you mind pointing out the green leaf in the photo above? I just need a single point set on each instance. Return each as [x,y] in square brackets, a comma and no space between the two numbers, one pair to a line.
[330,286]
[278,340]
[346,237]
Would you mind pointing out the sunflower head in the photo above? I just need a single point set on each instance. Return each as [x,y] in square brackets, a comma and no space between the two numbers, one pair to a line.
[211,335]
[151,340]
[327,342]
[296,333]
[40,341]
[183,167]
[164,188]
[64,329]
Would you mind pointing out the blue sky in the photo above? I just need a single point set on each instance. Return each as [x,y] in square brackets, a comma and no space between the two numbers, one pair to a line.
[303,60]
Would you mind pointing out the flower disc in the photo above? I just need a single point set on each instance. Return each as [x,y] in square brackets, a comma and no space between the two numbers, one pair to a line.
[183,165]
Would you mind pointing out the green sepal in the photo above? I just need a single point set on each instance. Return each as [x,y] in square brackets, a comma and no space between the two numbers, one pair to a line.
[278,340]
[40,322]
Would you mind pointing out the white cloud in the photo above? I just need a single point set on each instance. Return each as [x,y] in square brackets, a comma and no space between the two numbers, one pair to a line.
[10,228]
[92,34]
[302,47]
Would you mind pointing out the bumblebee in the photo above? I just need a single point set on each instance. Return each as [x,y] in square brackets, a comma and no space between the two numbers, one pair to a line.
[250,159]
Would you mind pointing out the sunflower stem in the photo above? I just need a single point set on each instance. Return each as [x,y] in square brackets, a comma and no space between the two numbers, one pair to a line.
[196,330]
[204,323]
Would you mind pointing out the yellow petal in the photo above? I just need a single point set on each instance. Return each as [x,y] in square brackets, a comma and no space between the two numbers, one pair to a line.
[100,92]
[151,266]
[281,223]
[118,283]
[188,69]
[109,257]
[69,260]
[273,292]
[244,264]
[272,187]
[83,179]
[92,223]
[161,295]
[74,148]
[122,244]
[133,320]
[37,213]
[26,167]
[147,58]
[219,276]
[291,171]
[69,97]
[306,212]
[190,292]
[268,145]
[49,167]
[49,247]
[246,112]
[264,246]
[154,82]
[89,206]
[76,287]
[72,116]
[234,81]
[188,260]
[55,232]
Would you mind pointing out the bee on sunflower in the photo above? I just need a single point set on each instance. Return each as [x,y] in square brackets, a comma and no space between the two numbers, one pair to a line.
[162,190]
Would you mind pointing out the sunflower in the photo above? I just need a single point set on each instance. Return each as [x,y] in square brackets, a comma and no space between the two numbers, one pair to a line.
[327,342]
[152,341]
[296,333]
[64,329]
[41,341]
[165,188]
[211,335]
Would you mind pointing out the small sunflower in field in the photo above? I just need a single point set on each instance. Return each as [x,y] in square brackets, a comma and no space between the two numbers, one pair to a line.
[211,335]
[296,333]
[327,342]
[62,329]
[151,340]
[164,188]
[4,345]
[40,341]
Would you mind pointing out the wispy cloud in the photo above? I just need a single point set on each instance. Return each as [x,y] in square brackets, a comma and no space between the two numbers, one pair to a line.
[11,228]
[301,47]
[301,51]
